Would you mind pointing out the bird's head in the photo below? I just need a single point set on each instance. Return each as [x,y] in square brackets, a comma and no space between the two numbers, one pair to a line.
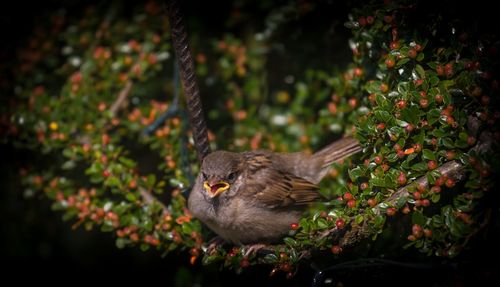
[219,172]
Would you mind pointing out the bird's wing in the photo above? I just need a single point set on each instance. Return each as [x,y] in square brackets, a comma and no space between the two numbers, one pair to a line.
[275,188]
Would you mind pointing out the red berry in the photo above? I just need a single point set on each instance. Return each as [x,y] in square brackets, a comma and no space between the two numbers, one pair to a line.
[418,82]
[390,62]
[369,20]
[471,140]
[435,189]
[450,155]
[427,233]
[336,249]
[358,72]
[409,128]
[340,223]
[424,103]
[412,238]
[397,147]
[450,183]
[417,195]
[388,19]
[416,230]
[244,263]
[353,102]
[423,94]
[401,104]
[438,98]
[426,202]
[294,226]
[394,45]
[106,173]
[363,185]
[412,53]
[402,178]
[105,139]
[384,87]
[391,211]
[400,154]
[351,203]
[417,147]
[432,164]
[381,126]
[385,167]
[362,21]
[377,159]
[134,237]
[348,196]
[439,181]
[406,209]
[439,70]
[372,202]
[418,47]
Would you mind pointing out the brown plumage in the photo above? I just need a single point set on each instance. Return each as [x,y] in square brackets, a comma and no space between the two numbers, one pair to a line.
[254,197]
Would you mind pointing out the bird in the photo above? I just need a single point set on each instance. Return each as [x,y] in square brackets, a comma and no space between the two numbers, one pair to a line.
[254,197]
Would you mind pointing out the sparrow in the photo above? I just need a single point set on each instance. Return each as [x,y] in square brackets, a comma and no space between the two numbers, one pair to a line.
[253,197]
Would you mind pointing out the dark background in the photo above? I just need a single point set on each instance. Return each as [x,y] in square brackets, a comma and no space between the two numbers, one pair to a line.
[36,244]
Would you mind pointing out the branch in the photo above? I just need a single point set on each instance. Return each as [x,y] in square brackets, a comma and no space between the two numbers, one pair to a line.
[149,199]
[122,96]
[451,169]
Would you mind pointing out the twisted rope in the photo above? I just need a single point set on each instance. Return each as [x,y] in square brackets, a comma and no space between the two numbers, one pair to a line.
[189,81]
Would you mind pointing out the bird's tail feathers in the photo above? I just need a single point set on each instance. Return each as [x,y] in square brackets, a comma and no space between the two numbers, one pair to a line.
[338,150]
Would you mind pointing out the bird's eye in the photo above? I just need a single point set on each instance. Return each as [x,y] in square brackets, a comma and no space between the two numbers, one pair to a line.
[204,176]
[231,176]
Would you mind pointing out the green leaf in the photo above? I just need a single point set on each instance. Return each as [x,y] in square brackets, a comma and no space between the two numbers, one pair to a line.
[122,242]
[67,152]
[402,62]
[271,258]
[420,71]
[68,165]
[382,116]
[418,218]
[433,116]
[428,154]
[435,197]
[144,247]
[421,166]
[290,241]
[400,202]
[131,197]
[322,223]
[447,142]
[151,180]
[376,181]
[112,181]
[379,221]
[359,218]
[127,162]
[420,56]
[355,173]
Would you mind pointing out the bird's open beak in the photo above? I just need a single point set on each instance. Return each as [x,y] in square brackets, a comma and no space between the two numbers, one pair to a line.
[215,189]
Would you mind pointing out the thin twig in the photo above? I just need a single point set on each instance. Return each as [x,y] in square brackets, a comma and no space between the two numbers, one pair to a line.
[149,199]
[122,96]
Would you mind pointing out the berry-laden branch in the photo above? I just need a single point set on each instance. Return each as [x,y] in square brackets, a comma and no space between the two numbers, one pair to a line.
[452,170]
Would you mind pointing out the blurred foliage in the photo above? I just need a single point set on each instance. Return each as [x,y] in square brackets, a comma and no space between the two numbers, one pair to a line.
[408,95]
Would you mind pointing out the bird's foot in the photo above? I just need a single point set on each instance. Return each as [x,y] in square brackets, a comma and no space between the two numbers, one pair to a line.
[254,248]
[214,243]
